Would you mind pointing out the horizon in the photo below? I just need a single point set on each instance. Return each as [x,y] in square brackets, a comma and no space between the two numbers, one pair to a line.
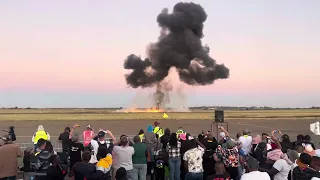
[71,54]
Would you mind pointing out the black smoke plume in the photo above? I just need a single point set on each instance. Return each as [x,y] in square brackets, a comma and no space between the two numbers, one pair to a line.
[179,46]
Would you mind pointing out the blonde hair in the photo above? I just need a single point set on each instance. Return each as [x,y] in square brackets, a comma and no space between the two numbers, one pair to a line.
[40,128]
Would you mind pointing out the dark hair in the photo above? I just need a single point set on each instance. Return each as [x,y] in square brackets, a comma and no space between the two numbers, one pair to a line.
[41,142]
[102,152]
[193,144]
[167,131]
[264,134]
[305,158]
[53,158]
[307,138]
[86,156]
[141,132]
[173,141]
[67,129]
[136,139]
[49,147]
[121,173]
[300,137]
[285,138]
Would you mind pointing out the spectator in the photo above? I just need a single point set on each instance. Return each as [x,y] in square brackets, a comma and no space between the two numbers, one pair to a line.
[8,159]
[293,156]
[230,157]
[303,171]
[55,171]
[260,153]
[121,174]
[65,140]
[40,134]
[103,166]
[246,142]
[139,159]
[96,143]
[161,163]
[201,136]
[12,135]
[211,145]
[75,150]
[309,150]
[141,134]
[158,130]
[220,174]
[124,154]
[83,170]
[27,172]
[87,135]
[173,148]
[165,138]
[300,140]
[254,174]
[193,161]
[299,149]
[40,161]
[286,143]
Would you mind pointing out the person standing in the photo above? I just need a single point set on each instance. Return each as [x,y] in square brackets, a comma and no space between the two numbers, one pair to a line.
[193,161]
[65,140]
[8,159]
[124,154]
[173,148]
[76,147]
[246,142]
[55,171]
[220,172]
[87,135]
[139,159]
[84,169]
[254,174]
[40,134]
[40,162]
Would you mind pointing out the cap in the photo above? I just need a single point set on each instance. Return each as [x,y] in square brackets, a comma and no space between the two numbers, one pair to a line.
[230,144]
[89,126]
[246,131]
[101,134]
[156,123]
[222,134]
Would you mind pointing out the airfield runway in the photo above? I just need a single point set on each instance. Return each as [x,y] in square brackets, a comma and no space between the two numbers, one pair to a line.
[25,129]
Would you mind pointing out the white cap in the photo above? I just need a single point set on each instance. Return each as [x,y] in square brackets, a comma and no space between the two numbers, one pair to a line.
[222,134]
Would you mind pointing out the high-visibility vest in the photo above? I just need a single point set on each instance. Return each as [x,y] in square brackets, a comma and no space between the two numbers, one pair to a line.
[141,137]
[40,135]
[87,137]
[159,131]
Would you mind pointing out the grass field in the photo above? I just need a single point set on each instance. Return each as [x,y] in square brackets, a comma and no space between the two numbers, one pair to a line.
[107,114]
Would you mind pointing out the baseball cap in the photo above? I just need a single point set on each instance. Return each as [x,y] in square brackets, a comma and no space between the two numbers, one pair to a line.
[246,131]
[101,134]
[89,126]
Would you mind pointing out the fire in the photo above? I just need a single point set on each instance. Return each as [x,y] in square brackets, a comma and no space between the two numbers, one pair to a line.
[150,110]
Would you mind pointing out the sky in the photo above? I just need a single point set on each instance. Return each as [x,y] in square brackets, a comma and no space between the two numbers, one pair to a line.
[71,53]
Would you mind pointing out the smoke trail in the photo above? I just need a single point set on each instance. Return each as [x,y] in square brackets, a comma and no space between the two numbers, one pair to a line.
[179,45]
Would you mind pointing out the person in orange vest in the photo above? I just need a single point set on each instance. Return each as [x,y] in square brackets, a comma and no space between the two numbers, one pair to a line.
[87,135]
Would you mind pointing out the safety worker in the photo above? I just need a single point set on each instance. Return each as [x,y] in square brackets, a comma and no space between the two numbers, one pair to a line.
[141,134]
[158,130]
[87,135]
[40,134]
[180,131]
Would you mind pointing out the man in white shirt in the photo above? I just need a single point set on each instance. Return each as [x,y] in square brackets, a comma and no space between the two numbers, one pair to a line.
[246,141]
[97,141]
[254,174]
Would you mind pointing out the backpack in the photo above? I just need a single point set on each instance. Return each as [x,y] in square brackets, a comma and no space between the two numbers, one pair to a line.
[107,145]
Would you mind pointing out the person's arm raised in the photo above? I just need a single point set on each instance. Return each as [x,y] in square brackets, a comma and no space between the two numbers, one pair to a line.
[224,130]
[273,137]
[72,130]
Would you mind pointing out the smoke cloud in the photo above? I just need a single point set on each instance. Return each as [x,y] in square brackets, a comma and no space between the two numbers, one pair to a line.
[179,45]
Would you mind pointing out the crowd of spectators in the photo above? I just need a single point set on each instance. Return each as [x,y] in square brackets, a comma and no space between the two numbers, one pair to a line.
[162,154]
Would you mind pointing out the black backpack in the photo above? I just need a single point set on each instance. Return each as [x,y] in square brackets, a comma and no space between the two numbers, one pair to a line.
[107,145]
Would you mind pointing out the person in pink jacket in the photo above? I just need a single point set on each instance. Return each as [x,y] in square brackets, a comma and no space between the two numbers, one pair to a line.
[87,135]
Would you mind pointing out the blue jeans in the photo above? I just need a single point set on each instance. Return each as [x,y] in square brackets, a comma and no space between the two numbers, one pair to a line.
[140,171]
[174,164]
[194,176]
[130,174]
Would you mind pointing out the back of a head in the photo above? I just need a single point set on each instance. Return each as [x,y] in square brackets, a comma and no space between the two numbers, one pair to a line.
[123,140]
[285,138]
[49,147]
[305,158]
[141,132]
[121,174]
[67,129]
[53,158]
[167,131]
[253,164]
[41,143]
[102,151]
[307,138]
[193,143]
[86,156]
[173,139]
[298,148]
[219,167]
[300,137]
[136,139]
[210,137]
